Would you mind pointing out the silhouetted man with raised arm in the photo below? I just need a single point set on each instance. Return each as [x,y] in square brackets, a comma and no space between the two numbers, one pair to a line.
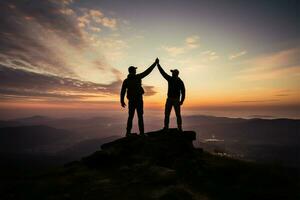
[133,85]
[176,96]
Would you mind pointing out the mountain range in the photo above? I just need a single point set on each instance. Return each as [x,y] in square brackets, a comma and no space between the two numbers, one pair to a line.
[267,140]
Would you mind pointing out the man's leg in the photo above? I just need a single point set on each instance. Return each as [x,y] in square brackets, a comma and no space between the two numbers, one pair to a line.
[131,109]
[140,112]
[178,115]
[168,108]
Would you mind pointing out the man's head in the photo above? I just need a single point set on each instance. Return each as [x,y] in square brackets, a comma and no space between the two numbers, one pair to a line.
[132,70]
[175,72]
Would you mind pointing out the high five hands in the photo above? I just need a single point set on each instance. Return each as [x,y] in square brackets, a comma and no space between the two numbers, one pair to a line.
[157,61]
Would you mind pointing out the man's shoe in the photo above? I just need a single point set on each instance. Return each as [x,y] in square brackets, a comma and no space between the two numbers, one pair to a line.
[128,134]
[165,128]
[142,134]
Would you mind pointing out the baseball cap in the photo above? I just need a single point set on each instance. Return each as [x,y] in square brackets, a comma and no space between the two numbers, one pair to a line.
[131,68]
[174,71]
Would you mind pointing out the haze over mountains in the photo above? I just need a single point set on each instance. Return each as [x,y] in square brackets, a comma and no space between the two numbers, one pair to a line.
[250,139]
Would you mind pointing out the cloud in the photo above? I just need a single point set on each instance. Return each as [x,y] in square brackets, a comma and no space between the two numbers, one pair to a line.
[237,55]
[29,31]
[282,95]
[46,13]
[283,92]
[112,47]
[40,37]
[191,42]
[257,74]
[149,90]
[83,20]
[283,58]
[65,2]
[109,22]
[257,101]
[22,83]
[95,13]
[95,29]
[96,17]
[46,54]
[174,51]
[278,65]
[45,36]
[207,56]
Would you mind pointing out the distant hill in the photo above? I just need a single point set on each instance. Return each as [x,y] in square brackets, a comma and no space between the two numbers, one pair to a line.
[267,140]
[34,120]
[85,147]
[279,131]
[39,144]
[34,139]
[9,124]
[270,140]
[256,130]
[88,128]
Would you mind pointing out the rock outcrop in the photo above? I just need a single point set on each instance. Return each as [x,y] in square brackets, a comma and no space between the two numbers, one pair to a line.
[163,148]
[155,162]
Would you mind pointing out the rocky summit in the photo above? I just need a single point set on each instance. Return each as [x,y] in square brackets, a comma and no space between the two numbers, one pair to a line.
[162,148]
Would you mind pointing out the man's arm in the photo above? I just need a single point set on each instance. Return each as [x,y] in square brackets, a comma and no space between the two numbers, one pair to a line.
[122,94]
[147,71]
[182,93]
[162,72]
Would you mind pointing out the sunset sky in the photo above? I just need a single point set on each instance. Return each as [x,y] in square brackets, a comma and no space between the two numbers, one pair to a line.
[75,53]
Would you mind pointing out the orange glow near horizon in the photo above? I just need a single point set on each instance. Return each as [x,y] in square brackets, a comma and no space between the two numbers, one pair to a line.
[156,104]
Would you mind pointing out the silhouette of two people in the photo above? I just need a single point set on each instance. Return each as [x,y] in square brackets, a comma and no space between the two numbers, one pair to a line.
[133,86]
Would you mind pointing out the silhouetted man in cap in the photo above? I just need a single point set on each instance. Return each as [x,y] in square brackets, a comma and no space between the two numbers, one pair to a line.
[133,85]
[176,96]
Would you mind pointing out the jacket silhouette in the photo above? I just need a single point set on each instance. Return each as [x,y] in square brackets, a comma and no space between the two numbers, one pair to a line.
[133,86]
[176,96]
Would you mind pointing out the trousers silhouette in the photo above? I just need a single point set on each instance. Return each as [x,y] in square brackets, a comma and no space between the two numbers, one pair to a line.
[136,104]
[168,107]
